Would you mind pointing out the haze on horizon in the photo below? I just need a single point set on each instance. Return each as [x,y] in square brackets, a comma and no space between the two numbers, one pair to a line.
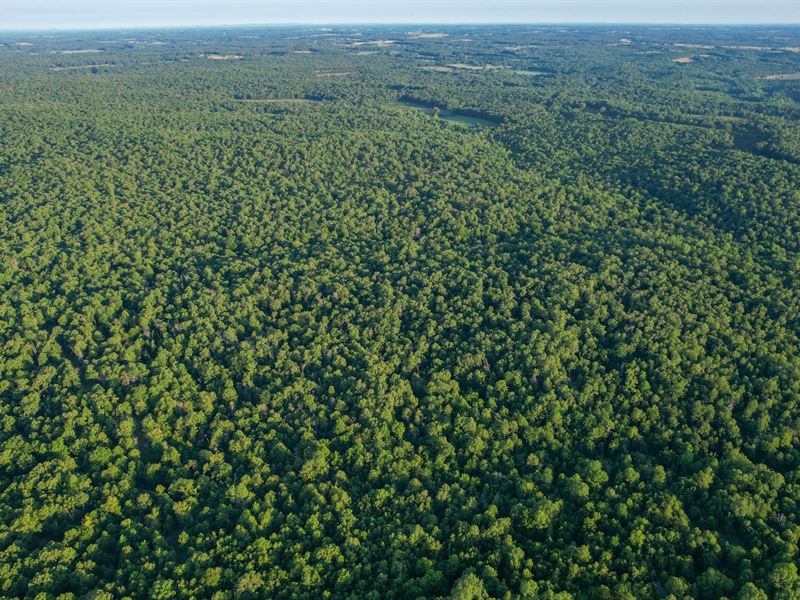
[27,15]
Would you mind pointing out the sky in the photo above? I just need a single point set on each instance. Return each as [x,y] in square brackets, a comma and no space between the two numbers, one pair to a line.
[99,14]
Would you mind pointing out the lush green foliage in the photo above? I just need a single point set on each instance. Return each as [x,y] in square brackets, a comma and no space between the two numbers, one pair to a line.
[269,330]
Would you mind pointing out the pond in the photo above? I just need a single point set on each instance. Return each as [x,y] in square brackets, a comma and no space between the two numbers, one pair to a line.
[457,117]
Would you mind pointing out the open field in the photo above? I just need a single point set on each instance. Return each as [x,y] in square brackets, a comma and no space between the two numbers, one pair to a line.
[277,101]
[782,77]
[77,67]
[333,73]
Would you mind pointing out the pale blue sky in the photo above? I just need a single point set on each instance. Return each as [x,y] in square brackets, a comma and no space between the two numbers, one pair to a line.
[71,14]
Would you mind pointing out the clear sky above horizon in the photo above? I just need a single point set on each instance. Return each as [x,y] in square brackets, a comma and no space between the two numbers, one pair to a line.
[94,14]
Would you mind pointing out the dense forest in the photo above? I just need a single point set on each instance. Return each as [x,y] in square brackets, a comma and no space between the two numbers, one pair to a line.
[367,313]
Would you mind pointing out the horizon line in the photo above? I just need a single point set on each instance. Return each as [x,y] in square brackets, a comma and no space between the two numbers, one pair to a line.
[397,24]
